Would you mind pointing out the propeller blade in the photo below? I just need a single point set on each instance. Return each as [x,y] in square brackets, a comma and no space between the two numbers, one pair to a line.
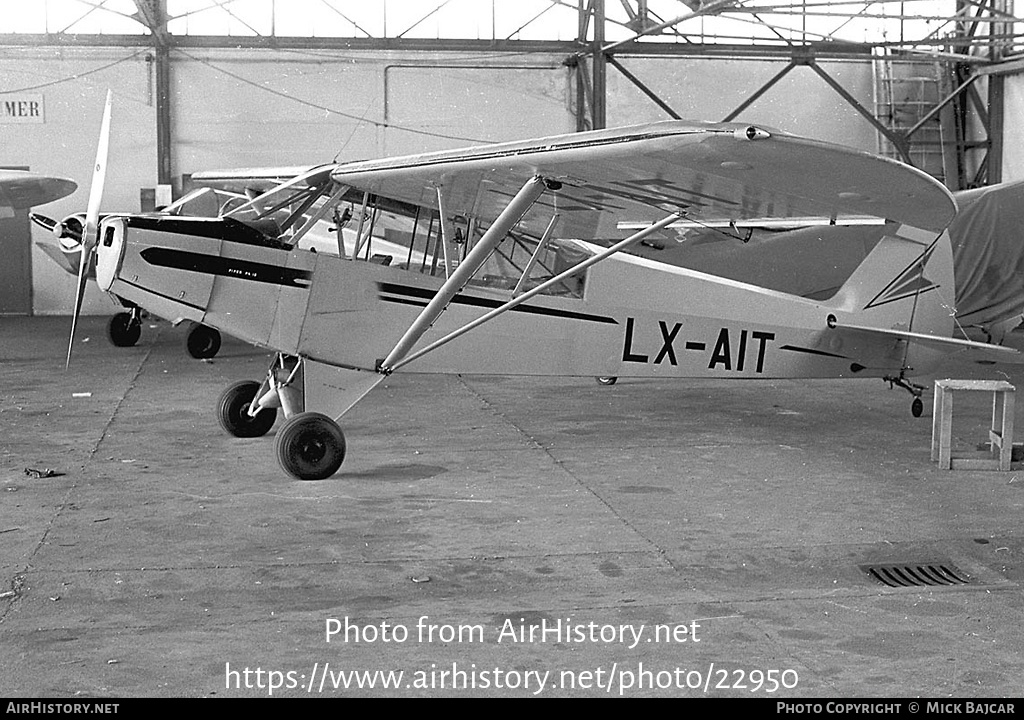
[92,216]
[92,213]
[44,222]
[83,272]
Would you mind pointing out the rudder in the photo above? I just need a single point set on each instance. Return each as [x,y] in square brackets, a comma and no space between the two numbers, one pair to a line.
[905,283]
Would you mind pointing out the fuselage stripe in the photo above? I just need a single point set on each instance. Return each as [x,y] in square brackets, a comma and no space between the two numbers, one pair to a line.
[226,267]
[812,351]
[415,296]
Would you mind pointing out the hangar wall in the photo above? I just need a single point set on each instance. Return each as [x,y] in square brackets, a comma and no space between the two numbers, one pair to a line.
[73,85]
[1013,109]
[235,108]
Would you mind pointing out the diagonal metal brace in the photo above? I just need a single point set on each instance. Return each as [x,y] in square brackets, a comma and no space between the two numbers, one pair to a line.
[512,214]
[520,299]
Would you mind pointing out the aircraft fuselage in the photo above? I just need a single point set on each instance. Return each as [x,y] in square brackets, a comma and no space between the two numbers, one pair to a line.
[634,318]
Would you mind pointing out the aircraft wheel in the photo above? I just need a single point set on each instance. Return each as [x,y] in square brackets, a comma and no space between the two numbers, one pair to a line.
[608,380]
[232,411]
[916,407]
[123,330]
[310,446]
[202,342]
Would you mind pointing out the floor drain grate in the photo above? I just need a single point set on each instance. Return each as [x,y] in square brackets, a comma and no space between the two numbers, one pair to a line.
[920,575]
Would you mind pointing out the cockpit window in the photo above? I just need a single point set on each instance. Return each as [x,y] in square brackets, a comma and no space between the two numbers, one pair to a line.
[366,227]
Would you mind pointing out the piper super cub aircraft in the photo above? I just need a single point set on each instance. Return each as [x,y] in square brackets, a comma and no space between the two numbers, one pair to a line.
[476,261]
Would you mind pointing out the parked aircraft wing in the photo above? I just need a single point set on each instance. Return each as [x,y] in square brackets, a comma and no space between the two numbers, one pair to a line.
[20,190]
[713,171]
[240,180]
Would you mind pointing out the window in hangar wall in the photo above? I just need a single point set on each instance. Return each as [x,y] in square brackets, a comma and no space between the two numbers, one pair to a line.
[922,23]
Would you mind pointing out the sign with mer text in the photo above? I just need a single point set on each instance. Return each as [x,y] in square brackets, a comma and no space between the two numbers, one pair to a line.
[21,108]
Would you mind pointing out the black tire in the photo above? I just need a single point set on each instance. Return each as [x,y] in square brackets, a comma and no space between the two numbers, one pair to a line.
[310,446]
[917,407]
[123,330]
[232,411]
[607,380]
[202,342]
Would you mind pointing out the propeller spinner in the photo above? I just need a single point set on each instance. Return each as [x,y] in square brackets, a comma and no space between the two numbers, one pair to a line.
[91,230]
[68,231]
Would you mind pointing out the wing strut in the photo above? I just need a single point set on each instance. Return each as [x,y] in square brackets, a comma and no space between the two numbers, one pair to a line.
[359,226]
[447,235]
[462,274]
[536,254]
[519,299]
[316,176]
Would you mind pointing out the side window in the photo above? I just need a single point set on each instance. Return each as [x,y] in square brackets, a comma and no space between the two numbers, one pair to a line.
[408,237]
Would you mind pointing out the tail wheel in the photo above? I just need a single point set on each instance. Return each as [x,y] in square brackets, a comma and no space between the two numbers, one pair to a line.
[310,446]
[202,342]
[124,330]
[233,411]
[916,407]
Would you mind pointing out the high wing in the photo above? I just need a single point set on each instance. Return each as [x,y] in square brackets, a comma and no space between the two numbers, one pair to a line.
[250,180]
[713,172]
[20,190]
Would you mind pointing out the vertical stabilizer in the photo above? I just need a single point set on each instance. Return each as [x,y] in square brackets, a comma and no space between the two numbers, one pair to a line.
[906,285]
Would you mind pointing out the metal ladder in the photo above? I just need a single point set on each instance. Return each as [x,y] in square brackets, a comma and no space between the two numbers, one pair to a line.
[904,92]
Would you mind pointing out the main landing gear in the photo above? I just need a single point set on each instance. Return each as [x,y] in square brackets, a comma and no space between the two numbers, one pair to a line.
[202,342]
[916,406]
[125,328]
[310,446]
[237,415]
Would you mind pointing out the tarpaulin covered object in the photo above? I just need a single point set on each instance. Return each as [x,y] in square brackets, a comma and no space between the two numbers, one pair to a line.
[988,257]
[987,236]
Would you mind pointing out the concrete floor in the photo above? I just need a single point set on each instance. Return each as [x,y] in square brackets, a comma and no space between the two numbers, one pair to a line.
[168,558]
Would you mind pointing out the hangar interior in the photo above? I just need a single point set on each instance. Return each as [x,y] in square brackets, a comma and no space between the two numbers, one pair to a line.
[790,536]
[202,85]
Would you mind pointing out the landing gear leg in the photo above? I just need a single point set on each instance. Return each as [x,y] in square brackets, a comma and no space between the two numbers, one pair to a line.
[916,406]
[249,408]
[310,446]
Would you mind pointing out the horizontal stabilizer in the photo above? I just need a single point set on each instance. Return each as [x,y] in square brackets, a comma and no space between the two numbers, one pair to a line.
[979,351]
